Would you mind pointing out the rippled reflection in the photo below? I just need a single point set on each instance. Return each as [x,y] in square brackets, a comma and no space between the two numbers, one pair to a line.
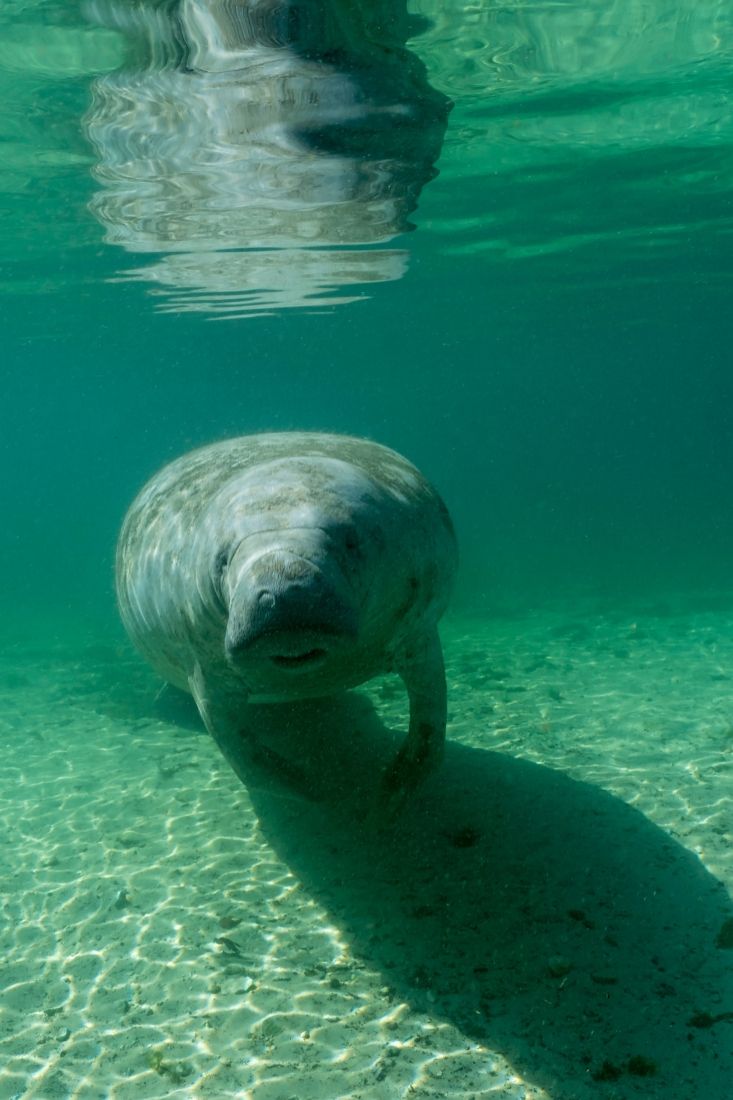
[257,145]
[484,46]
[585,127]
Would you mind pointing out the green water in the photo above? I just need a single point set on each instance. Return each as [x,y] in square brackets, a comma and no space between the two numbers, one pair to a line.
[528,296]
[555,357]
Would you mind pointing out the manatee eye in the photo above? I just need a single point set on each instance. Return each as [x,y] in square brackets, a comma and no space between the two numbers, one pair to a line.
[350,538]
[346,542]
[220,566]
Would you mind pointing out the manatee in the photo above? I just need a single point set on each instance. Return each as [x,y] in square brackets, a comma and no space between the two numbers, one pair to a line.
[282,566]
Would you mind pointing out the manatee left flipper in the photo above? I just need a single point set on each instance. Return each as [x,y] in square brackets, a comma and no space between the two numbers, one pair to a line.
[421,668]
[226,722]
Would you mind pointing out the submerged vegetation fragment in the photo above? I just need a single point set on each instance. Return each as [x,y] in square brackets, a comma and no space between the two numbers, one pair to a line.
[175,1072]
[707,1019]
[637,1066]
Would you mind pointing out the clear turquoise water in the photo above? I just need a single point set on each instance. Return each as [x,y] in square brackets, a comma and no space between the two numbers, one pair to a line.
[555,356]
[550,343]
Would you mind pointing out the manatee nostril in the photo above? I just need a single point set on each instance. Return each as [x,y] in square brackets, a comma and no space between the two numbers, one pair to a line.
[266,599]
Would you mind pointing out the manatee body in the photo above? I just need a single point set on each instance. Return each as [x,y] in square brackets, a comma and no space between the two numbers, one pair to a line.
[290,565]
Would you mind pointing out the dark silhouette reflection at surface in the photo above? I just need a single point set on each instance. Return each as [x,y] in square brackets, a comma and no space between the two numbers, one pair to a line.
[549,921]
[257,146]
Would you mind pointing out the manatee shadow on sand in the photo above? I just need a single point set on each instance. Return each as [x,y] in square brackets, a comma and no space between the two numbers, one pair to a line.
[542,916]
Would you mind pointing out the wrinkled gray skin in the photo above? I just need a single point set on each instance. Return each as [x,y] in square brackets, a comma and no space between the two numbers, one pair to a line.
[282,566]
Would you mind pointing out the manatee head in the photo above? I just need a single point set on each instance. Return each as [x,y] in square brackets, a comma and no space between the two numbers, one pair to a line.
[298,570]
[288,602]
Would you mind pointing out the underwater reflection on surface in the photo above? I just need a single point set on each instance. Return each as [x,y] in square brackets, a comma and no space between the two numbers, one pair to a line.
[297,132]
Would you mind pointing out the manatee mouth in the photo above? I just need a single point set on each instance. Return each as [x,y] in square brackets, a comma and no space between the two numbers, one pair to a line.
[297,660]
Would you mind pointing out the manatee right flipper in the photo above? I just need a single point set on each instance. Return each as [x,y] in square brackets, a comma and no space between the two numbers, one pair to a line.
[239,745]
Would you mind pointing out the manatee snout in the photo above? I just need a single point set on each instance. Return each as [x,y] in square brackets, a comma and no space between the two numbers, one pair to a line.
[285,609]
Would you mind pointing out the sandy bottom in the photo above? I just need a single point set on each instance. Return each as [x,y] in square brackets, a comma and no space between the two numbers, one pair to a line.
[549,920]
